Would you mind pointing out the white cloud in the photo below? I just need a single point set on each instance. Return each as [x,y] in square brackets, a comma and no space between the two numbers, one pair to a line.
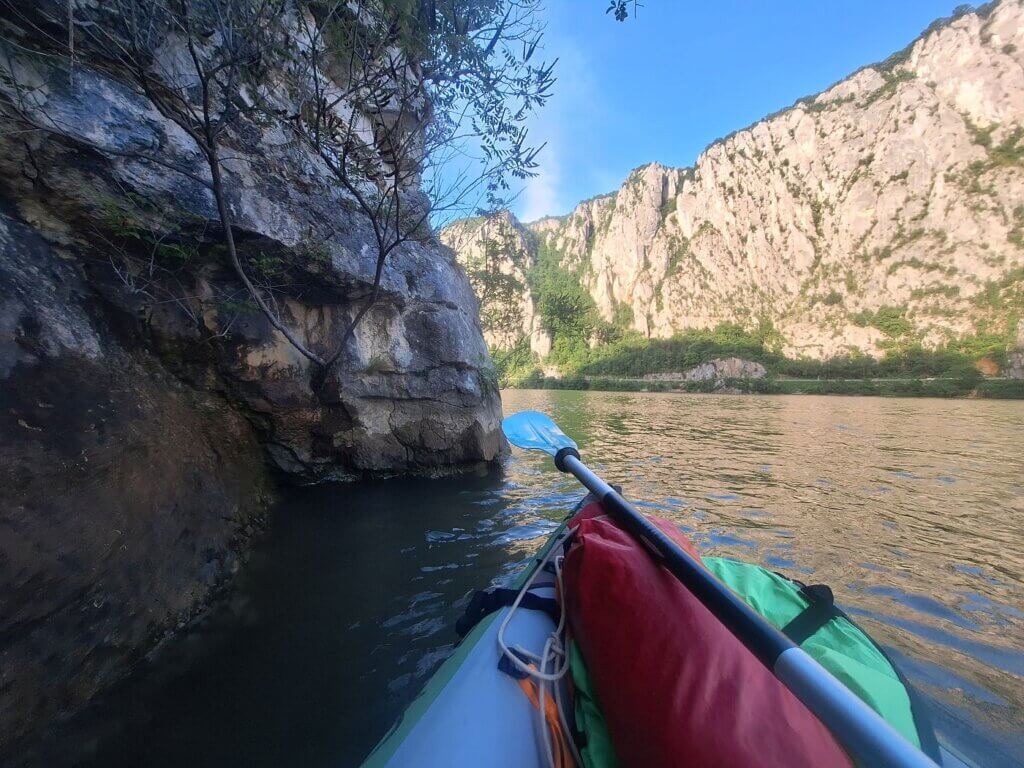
[560,125]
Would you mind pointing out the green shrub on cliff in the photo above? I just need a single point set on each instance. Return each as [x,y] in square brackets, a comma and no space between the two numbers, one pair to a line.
[566,309]
[892,321]
[516,366]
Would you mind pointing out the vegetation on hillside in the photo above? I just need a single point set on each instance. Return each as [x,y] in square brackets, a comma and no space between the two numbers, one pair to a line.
[498,291]
[588,351]
[996,389]
[609,366]
[633,356]
[567,311]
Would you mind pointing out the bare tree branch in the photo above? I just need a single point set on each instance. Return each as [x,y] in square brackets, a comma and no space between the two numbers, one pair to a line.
[391,97]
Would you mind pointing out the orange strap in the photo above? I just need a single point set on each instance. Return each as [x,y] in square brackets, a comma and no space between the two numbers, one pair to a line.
[559,739]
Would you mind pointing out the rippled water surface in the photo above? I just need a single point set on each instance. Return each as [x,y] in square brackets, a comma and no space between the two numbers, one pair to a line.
[912,510]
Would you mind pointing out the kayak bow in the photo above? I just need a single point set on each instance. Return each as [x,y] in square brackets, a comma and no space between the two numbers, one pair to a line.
[858,727]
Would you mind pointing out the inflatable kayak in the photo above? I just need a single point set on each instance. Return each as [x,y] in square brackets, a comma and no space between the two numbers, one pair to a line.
[634,682]
[622,646]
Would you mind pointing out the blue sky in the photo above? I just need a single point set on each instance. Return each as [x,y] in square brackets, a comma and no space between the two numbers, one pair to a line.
[662,86]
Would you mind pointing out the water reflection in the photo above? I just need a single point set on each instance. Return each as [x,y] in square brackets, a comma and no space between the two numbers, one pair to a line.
[910,509]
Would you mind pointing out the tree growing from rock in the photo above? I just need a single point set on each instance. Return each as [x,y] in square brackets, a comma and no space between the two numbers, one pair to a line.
[497,289]
[387,93]
[429,86]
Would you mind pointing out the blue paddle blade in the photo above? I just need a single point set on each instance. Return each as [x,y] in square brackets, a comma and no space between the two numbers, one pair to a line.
[535,431]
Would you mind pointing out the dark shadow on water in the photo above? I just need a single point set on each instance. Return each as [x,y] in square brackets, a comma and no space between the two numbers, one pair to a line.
[344,609]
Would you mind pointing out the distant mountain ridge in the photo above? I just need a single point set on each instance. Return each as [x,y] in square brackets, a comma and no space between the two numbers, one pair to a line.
[885,211]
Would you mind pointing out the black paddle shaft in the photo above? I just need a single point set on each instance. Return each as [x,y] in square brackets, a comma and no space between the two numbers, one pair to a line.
[858,727]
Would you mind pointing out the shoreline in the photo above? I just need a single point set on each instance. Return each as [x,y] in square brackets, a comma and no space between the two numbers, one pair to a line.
[989,389]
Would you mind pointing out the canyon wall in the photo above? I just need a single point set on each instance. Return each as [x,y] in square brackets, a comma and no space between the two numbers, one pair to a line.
[900,189]
[146,402]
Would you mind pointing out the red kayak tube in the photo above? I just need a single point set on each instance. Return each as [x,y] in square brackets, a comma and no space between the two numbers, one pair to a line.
[676,687]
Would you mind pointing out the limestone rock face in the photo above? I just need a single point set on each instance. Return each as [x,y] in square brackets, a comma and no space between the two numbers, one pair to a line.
[413,388]
[144,398]
[125,496]
[892,188]
[719,368]
[900,187]
[1015,360]
[1015,366]
[500,244]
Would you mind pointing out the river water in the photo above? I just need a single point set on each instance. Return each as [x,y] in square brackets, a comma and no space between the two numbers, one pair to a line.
[912,510]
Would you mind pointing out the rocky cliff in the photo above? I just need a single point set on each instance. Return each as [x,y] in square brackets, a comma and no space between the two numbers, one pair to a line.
[143,395]
[498,253]
[890,205]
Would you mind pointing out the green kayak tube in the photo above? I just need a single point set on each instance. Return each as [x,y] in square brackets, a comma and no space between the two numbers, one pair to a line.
[472,712]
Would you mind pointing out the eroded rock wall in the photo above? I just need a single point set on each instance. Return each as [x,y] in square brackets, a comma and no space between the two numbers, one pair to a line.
[412,390]
[901,186]
[126,497]
[141,409]
[513,253]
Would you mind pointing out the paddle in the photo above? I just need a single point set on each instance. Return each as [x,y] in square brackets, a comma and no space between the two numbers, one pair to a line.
[858,727]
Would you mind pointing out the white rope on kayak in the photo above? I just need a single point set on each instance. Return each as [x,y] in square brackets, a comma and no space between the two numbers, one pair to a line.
[515,655]
[554,650]
[553,662]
